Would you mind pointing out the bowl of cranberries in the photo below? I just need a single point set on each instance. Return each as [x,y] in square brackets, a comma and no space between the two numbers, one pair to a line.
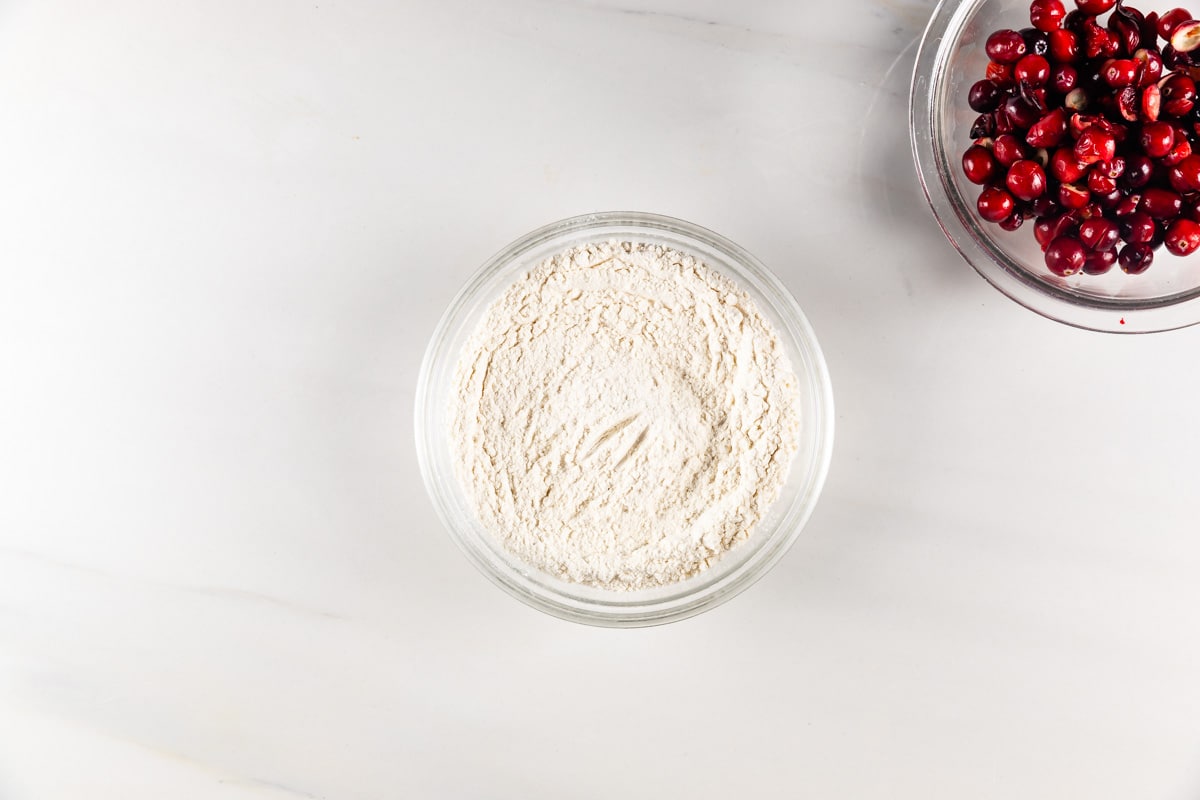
[1058,143]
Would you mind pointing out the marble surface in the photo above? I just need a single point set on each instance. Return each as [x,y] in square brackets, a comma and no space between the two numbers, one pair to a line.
[228,231]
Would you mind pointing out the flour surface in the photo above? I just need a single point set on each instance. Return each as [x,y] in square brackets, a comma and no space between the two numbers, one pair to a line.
[623,416]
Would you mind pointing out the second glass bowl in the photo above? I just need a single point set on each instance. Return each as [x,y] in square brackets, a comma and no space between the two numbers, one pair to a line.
[951,58]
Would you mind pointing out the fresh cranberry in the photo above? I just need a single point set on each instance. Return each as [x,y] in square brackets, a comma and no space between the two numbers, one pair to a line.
[978,165]
[984,96]
[1099,233]
[1117,73]
[1157,139]
[1178,95]
[1136,258]
[1168,21]
[1032,69]
[1026,180]
[1099,43]
[1094,145]
[1109,200]
[1021,113]
[1095,7]
[1099,262]
[1183,237]
[1099,183]
[1006,46]
[1000,74]
[1138,171]
[1073,197]
[1064,46]
[1046,15]
[1066,167]
[1176,180]
[1190,169]
[1181,150]
[1128,206]
[995,205]
[1008,150]
[1152,66]
[1049,228]
[1065,256]
[1063,78]
[1137,228]
[1161,203]
[1049,130]
[1014,221]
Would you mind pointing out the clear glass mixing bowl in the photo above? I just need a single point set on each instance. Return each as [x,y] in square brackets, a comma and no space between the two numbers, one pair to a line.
[741,565]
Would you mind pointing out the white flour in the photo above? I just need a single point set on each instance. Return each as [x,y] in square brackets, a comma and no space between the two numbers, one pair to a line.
[623,416]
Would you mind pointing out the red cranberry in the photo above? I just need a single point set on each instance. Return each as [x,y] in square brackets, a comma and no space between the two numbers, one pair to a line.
[1110,200]
[1095,7]
[1157,139]
[1065,167]
[1190,169]
[1099,262]
[1049,228]
[1006,46]
[1176,180]
[1099,183]
[1152,66]
[1186,36]
[1136,258]
[1008,150]
[1073,197]
[1049,130]
[1138,171]
[1063,78]
[1137,228]
[1178,95]
[1046,15]
[1128,205]
[1026,180]
[1117,73]
[1099,43]
[1183,237]
[1065,256]
[1094,145]
[1000,74]
[995,205]
[1013,222]
[1161,204]
[1020,112]
[1032,69]
[984,96]
[1064,46]
[978,165]
[1168,21]
[1191,209]
[1181,150]
[1099,233]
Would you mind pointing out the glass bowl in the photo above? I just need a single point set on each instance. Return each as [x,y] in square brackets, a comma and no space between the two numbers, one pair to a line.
[737,568]
[950,59]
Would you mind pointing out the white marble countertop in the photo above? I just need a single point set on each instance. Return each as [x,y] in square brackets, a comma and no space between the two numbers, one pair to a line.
[228,230]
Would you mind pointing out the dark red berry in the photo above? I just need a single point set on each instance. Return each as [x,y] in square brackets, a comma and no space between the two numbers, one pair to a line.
[1065,256]
[1161,203]
[1046,15]
[1180,151]
[1137,228]
[1063,78]
[1094,145]
[1073,197]
[984,96]
[1168,21]
[995,205]
[1064,47]
[1099,262]
[1136,258]
[1000,74]
[1128,205]
[1190,169]
[1026,180]
[1100,183]
[978,165]
[1032,69]
[1008,150]
[1183,237]
[1005,47]
[1065,166]
[1095,7]
[1118,72]
[1021,113]
[1178,95]
[1049,130]
[1157,139]
[1013,222]
[1138,171]
[1099,233]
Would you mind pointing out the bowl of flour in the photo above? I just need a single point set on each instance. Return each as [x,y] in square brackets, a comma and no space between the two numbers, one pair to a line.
[624,419]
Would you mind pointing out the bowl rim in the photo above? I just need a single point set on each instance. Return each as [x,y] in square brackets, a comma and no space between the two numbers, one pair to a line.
[958,222]
[587,605]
